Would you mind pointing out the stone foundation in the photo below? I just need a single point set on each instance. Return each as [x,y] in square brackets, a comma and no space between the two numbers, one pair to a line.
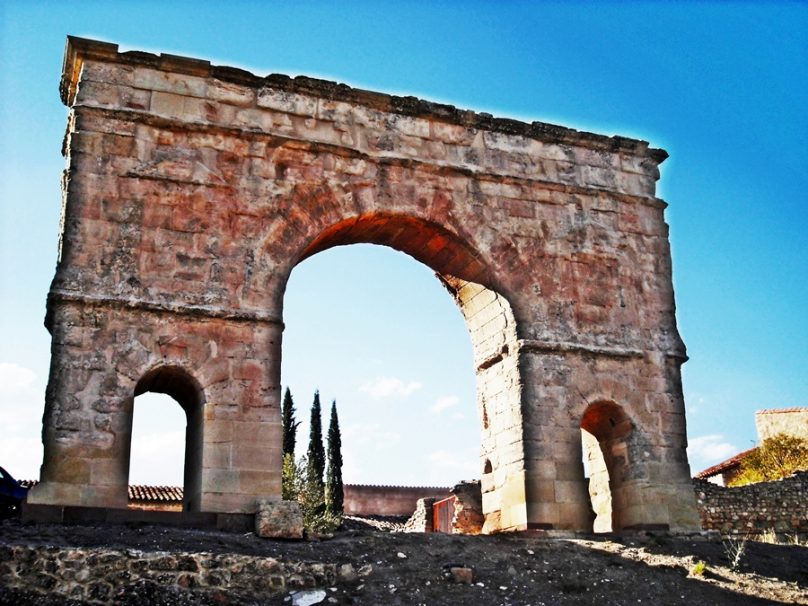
[96,575]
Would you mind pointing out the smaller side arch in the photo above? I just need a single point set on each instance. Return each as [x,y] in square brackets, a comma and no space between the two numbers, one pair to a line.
[178,383]
[607,433]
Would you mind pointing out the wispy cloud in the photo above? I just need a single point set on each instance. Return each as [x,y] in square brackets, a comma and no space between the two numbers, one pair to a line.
[368,434]
[694,403]
[389,387]
[363,446]
[443,403]
[704,451]
[444,460]
[15,379]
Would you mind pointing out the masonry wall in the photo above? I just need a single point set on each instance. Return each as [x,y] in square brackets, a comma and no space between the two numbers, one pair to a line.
[781,506]
[422,519]
[492,326]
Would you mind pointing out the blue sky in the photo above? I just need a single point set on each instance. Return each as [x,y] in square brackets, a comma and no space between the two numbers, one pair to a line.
[722,87]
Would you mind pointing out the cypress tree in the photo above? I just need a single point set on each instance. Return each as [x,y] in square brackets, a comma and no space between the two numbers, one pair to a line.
[316,457]
[334,493]
[289,424]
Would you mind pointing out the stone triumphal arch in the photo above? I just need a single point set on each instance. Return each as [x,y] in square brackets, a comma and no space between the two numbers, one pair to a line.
[192,191]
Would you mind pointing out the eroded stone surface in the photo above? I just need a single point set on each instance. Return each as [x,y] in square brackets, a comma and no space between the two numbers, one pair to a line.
[193,190]
[97,576]
[279,520]
[421,519]
[468,508]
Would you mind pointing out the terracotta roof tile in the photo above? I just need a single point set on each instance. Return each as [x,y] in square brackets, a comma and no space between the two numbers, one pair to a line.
[139,492]
[161,494]
[173,494]
[730,463]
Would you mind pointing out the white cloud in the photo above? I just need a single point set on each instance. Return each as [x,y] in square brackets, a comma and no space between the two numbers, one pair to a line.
[443,403]
[369,452]
[158,441]
[22,401]
[704,451]
[389,387]
[444,461]
[21,456]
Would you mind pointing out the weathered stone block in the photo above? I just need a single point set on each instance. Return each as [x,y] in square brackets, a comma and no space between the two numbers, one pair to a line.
[279,520]
[166,81]
[290,103]
[462,574]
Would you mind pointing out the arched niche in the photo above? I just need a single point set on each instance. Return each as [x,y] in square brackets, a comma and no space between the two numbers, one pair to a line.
[186,391]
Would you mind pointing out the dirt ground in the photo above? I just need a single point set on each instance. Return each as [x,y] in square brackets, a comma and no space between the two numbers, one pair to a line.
[512,569]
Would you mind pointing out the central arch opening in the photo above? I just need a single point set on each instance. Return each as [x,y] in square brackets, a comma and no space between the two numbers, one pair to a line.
[375,330]
[434,410]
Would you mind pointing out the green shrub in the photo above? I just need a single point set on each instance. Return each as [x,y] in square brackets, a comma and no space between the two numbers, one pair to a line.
[298,486]
[291,479]
[778,457]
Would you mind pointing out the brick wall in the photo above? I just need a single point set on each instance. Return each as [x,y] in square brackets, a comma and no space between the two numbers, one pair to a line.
[781,506]
[388,500]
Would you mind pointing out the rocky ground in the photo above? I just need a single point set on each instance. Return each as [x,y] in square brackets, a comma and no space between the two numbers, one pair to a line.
[514,569]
